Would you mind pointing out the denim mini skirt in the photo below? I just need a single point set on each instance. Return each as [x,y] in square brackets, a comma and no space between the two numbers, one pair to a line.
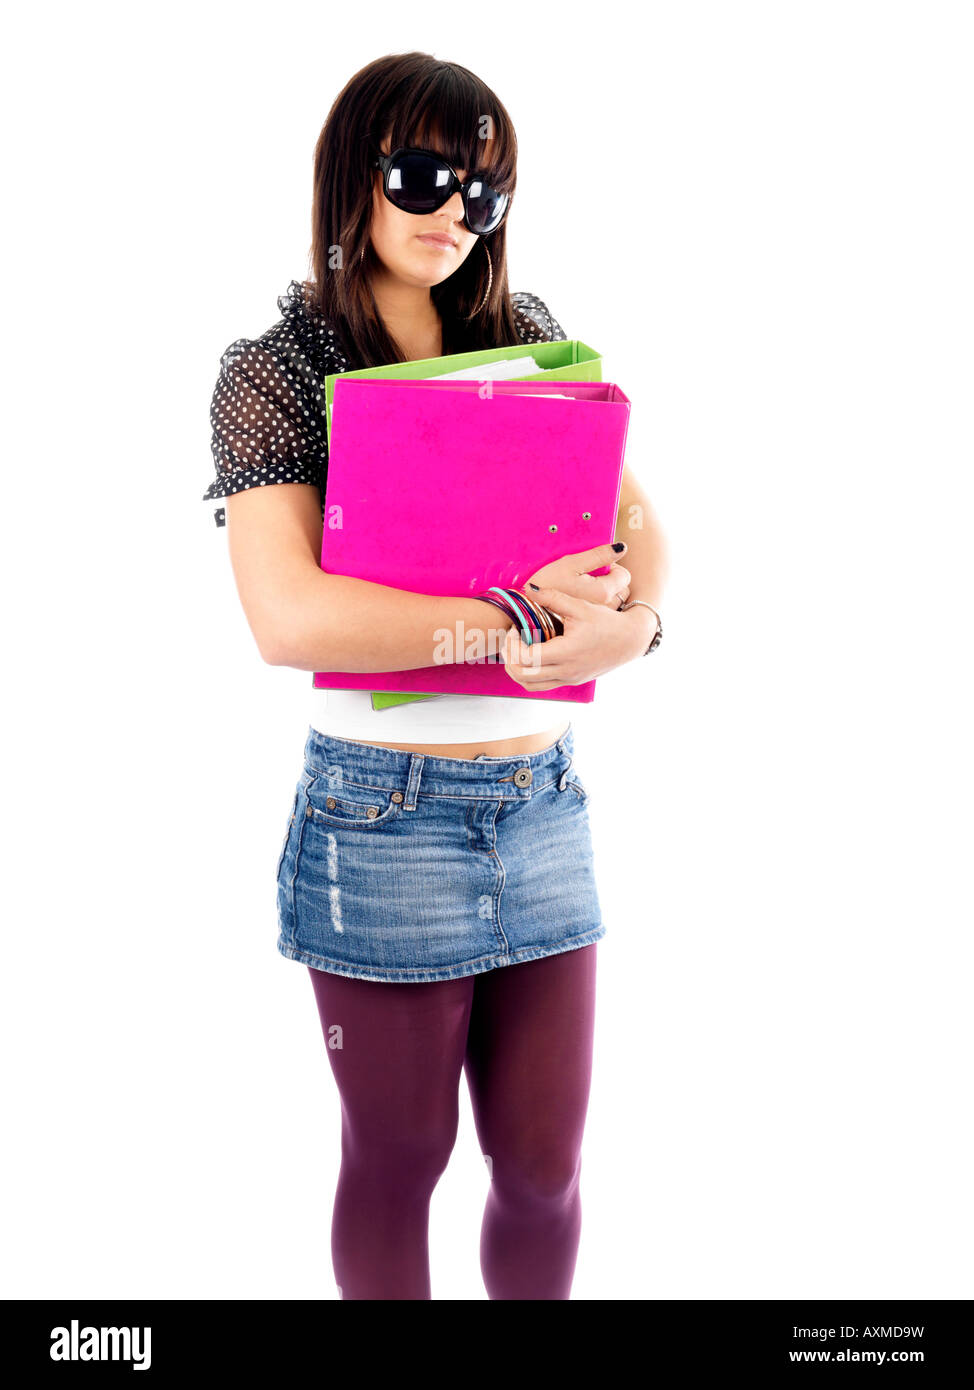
[403,867]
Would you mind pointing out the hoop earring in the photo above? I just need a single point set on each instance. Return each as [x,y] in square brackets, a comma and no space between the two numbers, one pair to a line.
[490,281]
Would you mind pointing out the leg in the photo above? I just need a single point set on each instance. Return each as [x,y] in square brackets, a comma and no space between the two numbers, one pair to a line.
[396,1051]
[528,1063]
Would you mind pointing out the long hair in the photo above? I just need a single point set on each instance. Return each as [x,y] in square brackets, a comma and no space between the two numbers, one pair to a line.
[422,102]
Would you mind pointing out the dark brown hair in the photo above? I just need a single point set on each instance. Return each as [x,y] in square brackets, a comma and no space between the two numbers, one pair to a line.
[420,101]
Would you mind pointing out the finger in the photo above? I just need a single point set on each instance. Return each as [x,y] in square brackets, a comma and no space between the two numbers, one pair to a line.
[537,660]
[534,658]
[584,560]
[548,685]
[551,680]
[605,588]
[527,669]
[565,605]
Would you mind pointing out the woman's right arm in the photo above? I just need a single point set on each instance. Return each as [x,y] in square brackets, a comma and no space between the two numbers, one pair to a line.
[302,617]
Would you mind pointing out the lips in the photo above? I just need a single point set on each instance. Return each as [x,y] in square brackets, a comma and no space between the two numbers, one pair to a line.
[437,239]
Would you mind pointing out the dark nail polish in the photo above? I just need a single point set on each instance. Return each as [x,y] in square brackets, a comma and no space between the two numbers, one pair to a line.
[532,586]
[618,545]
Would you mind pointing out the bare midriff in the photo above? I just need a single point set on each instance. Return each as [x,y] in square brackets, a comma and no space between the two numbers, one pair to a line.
[491,748]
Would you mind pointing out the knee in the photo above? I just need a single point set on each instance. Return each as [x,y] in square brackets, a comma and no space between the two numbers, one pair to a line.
[414,1159]
[541,1178]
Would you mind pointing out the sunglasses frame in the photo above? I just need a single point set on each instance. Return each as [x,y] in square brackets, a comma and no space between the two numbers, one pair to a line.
[386,161]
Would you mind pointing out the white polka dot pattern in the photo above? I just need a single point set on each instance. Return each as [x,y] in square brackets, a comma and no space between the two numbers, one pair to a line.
[267,411]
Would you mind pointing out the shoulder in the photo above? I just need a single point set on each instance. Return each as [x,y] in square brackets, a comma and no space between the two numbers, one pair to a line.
[302,328]
[534,319]
[301,342]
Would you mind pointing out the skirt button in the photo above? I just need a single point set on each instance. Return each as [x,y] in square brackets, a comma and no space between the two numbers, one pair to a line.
[523,777]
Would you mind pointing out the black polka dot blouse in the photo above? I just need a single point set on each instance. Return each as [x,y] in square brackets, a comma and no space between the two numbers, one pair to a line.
[268,407]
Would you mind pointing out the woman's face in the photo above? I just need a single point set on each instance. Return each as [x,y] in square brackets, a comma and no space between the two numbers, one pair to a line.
[417,249]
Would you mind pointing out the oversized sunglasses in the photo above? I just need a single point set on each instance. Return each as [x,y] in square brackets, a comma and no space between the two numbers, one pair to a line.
[419,181]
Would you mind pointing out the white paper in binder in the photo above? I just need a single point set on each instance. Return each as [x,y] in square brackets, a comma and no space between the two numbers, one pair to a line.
[505,370]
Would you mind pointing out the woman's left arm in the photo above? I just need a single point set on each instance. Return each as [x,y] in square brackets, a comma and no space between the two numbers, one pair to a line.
[597,639]
[646,558]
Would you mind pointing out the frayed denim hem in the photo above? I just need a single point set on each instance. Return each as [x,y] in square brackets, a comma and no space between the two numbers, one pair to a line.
[446,972]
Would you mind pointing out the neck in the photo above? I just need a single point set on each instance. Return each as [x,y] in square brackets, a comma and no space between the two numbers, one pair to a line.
[405,308]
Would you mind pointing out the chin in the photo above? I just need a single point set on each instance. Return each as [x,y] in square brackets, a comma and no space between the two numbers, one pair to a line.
[422,275]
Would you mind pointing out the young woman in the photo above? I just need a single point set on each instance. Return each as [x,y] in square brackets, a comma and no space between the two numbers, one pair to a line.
[436,876]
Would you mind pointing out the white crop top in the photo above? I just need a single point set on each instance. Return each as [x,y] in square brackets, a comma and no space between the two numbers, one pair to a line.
[445,719]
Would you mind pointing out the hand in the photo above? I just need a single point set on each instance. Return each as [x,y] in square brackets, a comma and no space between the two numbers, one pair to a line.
[595,640]
[569,576]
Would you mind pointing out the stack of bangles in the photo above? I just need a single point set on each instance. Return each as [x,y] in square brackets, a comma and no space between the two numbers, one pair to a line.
[536,624]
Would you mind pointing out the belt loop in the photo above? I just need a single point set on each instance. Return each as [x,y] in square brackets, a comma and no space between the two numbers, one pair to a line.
[412,782]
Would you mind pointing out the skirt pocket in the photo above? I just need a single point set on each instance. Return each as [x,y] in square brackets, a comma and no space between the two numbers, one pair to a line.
[337,803]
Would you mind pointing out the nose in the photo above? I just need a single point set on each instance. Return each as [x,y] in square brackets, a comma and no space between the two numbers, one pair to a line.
[453,207]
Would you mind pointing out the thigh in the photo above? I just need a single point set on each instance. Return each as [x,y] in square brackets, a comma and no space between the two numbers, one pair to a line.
[529,1051]
[396,1051]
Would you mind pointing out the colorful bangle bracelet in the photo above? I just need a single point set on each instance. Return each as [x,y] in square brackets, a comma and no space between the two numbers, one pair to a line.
[485,598]
[532,633]
[539,625]
[502,608]
[534,622]
[550,622]
[541,614]
[516,610]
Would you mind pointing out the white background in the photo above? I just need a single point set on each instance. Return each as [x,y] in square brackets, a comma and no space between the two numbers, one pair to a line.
[772,247]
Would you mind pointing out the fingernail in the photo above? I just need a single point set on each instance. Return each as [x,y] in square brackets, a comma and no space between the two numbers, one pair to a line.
[618,545]
[531,586]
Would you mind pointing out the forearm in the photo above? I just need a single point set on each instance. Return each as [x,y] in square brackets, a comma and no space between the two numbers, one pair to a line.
[646,557]
[331,622]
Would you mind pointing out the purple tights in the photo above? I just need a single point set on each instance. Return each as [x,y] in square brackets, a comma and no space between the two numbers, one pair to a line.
[523,1033]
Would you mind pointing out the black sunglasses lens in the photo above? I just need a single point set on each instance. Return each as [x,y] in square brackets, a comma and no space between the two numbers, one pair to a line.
[485,207]
[418,183]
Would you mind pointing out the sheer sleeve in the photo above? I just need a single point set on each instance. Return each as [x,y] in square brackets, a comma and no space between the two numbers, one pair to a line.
[536,323]
[267,409]
[267,422]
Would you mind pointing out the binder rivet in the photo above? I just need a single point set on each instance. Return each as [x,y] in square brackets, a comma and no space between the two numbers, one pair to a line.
[586,516]
[552,528]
